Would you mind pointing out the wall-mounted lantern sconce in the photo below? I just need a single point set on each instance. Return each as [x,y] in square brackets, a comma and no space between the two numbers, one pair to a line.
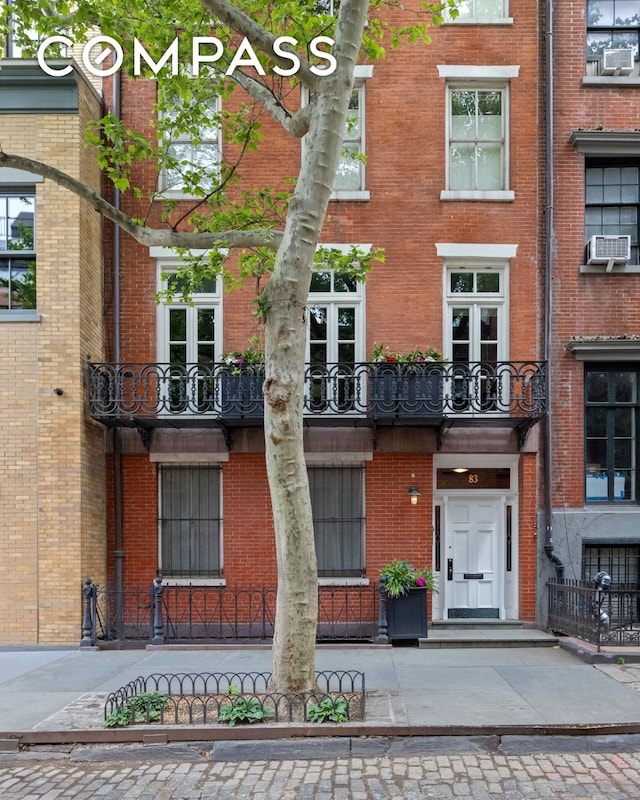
[414,494]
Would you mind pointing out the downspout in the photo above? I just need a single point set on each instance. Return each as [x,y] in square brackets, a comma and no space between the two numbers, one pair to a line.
[549,549]
[118,551]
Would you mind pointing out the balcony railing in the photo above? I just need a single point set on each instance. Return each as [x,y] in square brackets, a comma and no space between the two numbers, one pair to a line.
[384,392]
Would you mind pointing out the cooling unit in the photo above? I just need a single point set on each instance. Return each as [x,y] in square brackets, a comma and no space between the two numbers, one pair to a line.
[609,250]
[618,62]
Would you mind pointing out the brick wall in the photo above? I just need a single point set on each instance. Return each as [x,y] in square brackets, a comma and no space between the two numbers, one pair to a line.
[584,305]
[52,505]
[404,296]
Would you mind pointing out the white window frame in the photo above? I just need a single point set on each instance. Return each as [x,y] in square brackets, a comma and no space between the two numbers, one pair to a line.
[335,299]
[167,261]
[469,17]
[215,143]
[475,302]
[362,73]
[490,78]
[477,258]
[8,193]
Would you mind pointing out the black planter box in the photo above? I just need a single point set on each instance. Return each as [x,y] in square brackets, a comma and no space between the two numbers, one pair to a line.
[242,393]
[401,390]
[407,615]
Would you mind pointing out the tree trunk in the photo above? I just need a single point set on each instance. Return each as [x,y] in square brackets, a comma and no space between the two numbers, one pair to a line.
[285,345]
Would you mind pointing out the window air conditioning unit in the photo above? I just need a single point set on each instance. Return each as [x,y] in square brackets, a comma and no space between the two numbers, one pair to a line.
[618,62]
[609,250]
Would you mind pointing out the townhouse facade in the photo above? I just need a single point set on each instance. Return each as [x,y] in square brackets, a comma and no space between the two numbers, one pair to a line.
[441,463]
[594,267]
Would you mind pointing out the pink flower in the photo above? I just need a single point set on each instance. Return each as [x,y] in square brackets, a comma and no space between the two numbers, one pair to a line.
[421,582]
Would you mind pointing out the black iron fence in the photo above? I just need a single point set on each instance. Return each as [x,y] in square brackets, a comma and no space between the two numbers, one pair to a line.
[161,614]
[604,618]
[202,698]
[382,391]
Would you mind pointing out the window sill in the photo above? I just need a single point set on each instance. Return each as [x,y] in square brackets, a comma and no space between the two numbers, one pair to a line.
[472,21]
[632,81]
[194,582]
[602,506]
[175,194]
[343,581]
[501,196]
[344,194]
[617,269]
[20,316]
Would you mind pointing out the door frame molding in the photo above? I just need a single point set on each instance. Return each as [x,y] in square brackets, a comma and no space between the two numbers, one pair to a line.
[510,588]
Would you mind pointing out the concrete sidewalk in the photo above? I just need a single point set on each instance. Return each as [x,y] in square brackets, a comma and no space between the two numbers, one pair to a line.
[60,693]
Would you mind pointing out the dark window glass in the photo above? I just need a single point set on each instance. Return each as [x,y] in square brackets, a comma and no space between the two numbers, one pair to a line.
[190,521]
[611,415]
[612,200]
[337,499]
[17,250]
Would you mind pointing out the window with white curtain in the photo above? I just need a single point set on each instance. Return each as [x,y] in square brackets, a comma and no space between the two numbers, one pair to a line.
[480,11]
[477,138]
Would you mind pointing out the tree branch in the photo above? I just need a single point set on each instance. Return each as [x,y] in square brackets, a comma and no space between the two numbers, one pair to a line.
[259,36]
[164,237]
[296,124]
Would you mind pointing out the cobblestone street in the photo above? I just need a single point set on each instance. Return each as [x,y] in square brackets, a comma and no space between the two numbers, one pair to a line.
[463,777]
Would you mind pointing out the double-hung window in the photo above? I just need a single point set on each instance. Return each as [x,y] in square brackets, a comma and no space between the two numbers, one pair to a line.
[612,25]
[17,250]
[611,432]
[192,155]
[477,125]
[477,138]
[350,176]
[190,522]
[479,11]
[350,182]
[337,500]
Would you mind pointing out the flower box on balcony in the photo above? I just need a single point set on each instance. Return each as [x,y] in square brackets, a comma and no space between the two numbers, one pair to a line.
[241,395]
[405,390]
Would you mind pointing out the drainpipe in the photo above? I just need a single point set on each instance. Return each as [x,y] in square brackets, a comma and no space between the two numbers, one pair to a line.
[118,551]
[548,296]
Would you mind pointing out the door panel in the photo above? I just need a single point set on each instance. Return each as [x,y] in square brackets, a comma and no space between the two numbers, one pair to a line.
[474,535]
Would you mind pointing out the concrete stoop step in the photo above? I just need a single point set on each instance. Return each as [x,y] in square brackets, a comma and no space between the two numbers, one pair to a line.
[485,633]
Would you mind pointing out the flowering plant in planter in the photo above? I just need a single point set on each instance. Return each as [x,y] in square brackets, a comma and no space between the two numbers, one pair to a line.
[382,355]
[253,356]
[399,576]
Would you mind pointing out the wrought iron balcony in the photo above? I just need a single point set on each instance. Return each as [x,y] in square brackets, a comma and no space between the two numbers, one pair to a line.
[387,393]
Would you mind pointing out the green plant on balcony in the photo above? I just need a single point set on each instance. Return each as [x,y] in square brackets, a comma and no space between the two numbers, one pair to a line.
[408,383]
[382,355]
[240,360]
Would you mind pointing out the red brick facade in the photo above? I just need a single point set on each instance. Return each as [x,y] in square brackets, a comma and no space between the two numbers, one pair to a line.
[404,215]
[595,119]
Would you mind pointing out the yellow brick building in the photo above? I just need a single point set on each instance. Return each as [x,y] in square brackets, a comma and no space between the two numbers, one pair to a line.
[52,487]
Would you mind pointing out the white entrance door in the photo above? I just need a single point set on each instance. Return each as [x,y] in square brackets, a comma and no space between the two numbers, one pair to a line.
[474,578]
